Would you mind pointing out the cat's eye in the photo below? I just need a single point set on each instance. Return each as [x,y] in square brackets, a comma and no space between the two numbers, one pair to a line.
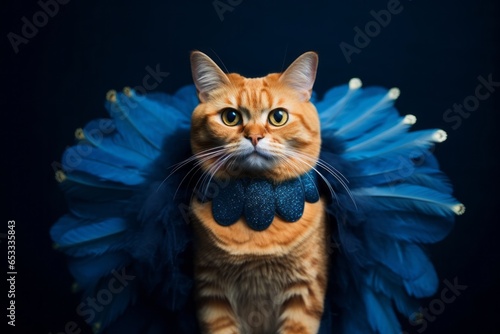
[278,117]
[231,117]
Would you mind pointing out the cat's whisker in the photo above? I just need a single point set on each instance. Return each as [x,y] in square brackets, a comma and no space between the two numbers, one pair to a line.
[206,152]
[206,173]
[233,170]
[212,171]
[330,169]
[200,158]
[309,161]
[196,156]
[338,176]
[319,161]
[198,164]
[217,167]
[284,158]
[330,188]
[231,163]
[322,164]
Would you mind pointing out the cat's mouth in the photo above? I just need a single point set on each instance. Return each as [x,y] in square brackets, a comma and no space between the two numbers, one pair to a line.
[257,153]
[254,156]
[256,160]
[260,152]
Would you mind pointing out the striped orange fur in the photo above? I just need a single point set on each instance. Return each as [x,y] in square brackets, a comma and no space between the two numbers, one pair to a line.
[248,281]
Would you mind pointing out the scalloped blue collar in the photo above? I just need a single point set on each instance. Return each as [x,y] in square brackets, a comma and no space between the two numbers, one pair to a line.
[260,200]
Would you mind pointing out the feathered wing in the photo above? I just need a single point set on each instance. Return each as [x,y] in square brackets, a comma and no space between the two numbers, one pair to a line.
[396,201]
[127,235]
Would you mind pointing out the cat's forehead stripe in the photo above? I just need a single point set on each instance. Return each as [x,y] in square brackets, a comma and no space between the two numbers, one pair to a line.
[266,96]
[239,97]
[254,99]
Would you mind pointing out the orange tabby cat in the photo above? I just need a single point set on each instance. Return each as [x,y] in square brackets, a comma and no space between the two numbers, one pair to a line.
[273,280]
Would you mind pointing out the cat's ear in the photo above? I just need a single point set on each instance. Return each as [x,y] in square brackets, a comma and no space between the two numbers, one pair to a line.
[300,75]
[207,76]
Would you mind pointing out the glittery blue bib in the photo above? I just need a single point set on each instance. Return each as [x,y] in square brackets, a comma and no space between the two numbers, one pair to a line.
[260,200]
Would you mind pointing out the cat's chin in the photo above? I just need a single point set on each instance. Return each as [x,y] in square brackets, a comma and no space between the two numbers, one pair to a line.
[255,163]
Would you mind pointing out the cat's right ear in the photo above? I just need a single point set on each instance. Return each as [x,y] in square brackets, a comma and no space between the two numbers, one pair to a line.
[207,76]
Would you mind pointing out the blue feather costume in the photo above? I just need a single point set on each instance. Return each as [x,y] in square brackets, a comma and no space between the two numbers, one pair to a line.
[128,235]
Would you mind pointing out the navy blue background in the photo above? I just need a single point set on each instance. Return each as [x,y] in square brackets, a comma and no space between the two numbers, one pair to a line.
[433,51]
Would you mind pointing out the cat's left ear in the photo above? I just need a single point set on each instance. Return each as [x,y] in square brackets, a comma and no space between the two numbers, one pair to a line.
[300,75]
[207,76]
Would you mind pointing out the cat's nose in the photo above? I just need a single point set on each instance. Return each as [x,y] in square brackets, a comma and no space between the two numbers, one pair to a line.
[254,138]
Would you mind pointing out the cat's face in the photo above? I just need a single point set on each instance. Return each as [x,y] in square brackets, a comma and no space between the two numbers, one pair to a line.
[260,127]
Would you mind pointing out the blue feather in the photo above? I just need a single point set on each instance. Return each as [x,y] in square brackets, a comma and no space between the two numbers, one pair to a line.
[331,97]
[403,163]
[407,197]
[355,105]
[409,226]
[85,186]
[89,199]
[379,134]
[102,134]
[89,270]
[423,286]
[431,178]
[71,231]
[333,101]
[184,100]
[405,260]
[149,118]
[409,144]
[95,210]
[92,247]
[129,135]
[96,162]
[121,301]
[164,226]
[374,116]
[382,281]
[383,170]
[380,313]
